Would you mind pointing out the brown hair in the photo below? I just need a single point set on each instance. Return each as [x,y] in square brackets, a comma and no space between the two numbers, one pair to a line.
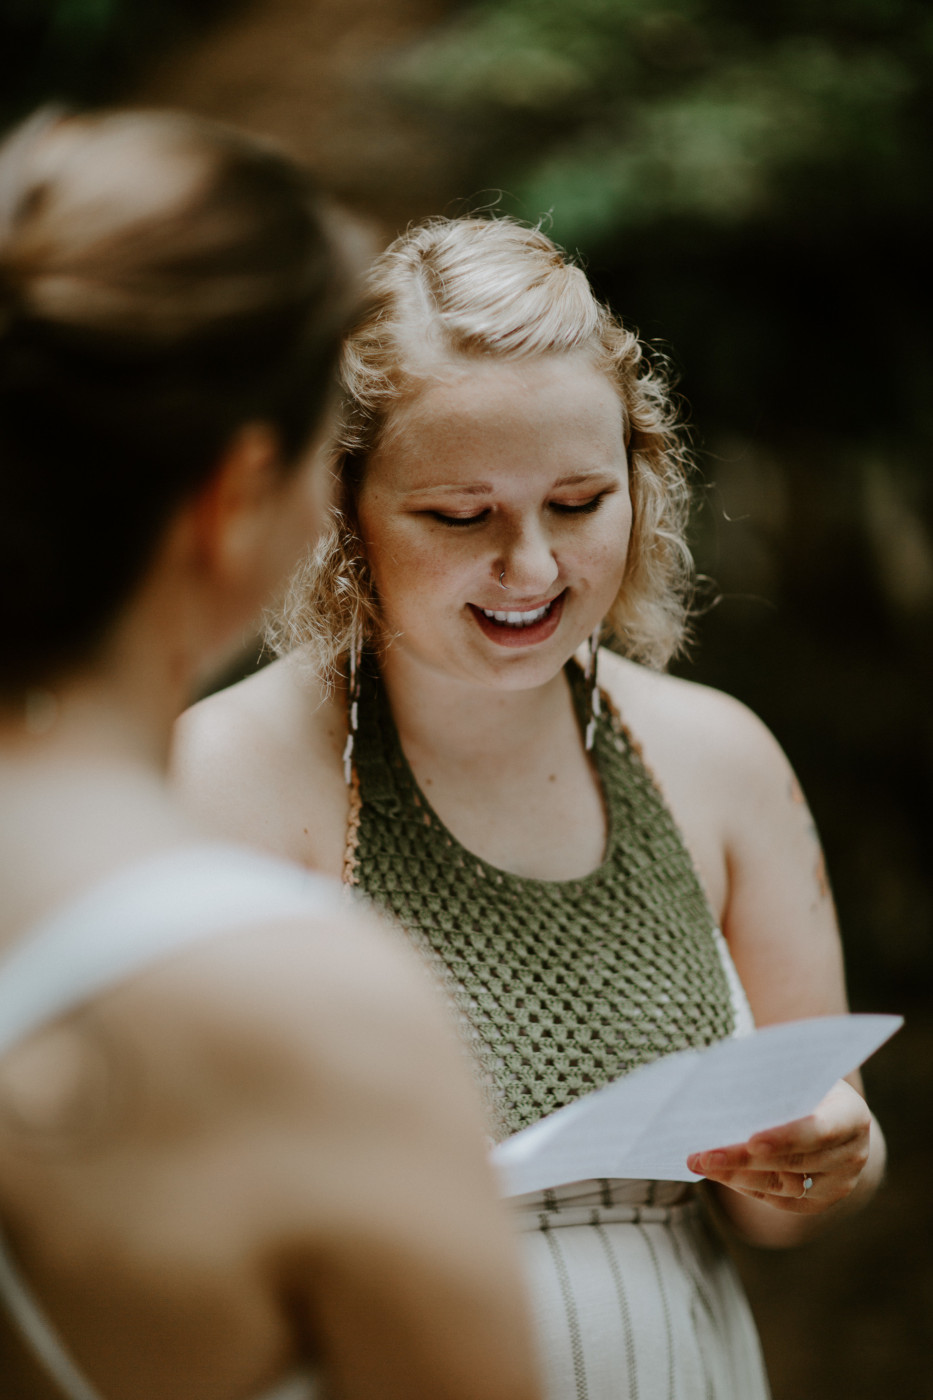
[492,287]
[163,280]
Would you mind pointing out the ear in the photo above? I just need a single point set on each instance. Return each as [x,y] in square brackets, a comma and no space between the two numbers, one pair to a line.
[229,517]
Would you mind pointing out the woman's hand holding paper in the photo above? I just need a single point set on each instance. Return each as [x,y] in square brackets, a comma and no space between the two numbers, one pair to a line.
[830,1149]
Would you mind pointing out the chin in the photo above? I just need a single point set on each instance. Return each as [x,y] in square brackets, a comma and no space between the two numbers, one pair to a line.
[516,669]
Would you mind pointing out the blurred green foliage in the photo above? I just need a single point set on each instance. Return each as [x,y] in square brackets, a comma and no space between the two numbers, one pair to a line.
[752,183]
[85,51]
[621,112]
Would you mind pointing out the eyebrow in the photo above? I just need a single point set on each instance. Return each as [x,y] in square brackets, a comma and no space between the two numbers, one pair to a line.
[584,478]
[485,488]
[473,488]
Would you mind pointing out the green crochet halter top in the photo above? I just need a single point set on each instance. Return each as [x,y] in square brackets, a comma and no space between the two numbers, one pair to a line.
[559,986]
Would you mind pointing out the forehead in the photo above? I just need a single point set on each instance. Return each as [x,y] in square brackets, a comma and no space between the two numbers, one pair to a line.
[551,411]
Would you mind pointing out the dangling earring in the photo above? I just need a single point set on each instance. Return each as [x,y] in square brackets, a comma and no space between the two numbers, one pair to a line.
[593,707]
[353,703]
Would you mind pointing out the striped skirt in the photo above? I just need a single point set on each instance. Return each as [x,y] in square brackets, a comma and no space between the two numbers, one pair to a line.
[634,1296]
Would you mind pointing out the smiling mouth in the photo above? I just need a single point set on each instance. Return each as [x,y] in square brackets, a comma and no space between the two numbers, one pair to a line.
[520,627]
[515,618]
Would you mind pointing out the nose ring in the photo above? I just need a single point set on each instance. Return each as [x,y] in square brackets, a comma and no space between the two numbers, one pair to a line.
[501,584]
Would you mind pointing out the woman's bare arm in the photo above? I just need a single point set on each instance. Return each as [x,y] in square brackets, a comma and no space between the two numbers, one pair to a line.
[753,838]
[780,923]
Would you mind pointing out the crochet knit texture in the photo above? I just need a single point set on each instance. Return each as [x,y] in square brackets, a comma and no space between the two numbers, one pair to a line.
[559,986]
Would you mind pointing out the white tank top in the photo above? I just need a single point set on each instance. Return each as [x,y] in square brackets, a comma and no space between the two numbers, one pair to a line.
[120,926]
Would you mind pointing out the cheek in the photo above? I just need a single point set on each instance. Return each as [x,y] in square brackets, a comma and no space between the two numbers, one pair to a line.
[401,571]
[608,567]
[408,565]
[624,540]
[388,553]
[604,552]
[403,556]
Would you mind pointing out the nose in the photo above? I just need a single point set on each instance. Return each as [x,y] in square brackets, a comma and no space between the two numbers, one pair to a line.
[529,562]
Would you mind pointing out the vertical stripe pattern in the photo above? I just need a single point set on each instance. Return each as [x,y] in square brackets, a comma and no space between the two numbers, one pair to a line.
[570,1314]
[631,1372]
[645,1233]
[637,1302]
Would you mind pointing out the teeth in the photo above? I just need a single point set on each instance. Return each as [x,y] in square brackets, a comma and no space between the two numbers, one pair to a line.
[518,619]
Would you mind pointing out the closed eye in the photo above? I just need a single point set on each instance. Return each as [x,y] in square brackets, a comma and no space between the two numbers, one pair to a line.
[457,520]
[584,508]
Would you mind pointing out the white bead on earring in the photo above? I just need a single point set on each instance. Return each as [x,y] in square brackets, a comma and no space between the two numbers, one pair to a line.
[353,703]
[593,702]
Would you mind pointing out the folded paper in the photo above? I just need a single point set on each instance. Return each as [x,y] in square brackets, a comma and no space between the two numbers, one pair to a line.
[647,1123]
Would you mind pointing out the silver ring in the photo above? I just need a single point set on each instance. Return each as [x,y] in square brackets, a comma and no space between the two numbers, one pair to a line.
[806,1182]
[501,584]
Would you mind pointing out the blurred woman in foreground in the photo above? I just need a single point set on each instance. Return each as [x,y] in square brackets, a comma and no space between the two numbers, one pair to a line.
[226,1102]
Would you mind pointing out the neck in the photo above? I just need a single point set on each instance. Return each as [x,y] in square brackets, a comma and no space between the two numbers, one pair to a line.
[82,779]
[116,712]
[444,715]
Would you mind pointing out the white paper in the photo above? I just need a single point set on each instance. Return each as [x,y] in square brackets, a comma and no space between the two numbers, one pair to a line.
[647,1123]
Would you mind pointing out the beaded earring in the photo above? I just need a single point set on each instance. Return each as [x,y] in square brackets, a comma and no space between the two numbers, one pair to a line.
[353,702]
[593,708]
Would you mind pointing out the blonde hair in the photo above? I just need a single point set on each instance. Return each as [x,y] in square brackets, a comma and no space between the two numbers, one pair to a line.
[491,288]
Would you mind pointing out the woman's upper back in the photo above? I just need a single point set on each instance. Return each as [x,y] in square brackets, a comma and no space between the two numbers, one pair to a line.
[72,1091]
[187,1150]
[136,1045]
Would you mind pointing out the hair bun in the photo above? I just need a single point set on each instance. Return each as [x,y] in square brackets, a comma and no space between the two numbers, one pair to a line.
[18,153]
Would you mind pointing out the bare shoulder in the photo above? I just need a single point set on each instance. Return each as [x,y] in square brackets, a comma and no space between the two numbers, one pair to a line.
[311,1052]
[681,722]
[721,771]
[371,1126]
[336,1045]
[261,762]
[291,1150]
[250,723]
[313,1048]
[325,996]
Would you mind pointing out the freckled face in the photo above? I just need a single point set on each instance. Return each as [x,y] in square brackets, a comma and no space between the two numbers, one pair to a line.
[499,466]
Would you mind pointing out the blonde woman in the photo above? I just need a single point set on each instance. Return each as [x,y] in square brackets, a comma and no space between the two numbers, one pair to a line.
[602,863]
[230,1109]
